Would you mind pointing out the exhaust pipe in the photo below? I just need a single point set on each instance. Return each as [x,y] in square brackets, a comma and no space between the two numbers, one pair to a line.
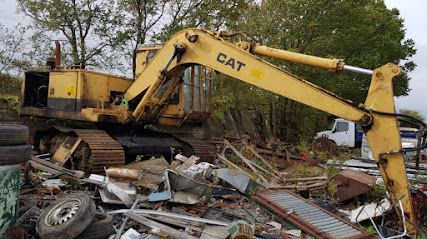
[57,55]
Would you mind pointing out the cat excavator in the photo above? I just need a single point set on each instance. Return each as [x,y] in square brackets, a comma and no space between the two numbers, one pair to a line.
[172,88]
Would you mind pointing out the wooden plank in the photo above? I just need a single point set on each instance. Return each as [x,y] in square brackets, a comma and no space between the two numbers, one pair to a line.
[63,153]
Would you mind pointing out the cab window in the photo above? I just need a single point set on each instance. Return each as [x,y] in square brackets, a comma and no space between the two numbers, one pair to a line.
[341,127]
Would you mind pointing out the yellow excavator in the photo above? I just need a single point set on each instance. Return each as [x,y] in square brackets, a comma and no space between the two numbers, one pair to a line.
[171,89]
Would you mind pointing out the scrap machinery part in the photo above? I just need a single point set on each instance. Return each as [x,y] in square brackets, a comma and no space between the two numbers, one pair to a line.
[306,215]
[104,150]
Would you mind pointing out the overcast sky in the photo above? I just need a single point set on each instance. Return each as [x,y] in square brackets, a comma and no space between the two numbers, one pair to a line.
[413,11]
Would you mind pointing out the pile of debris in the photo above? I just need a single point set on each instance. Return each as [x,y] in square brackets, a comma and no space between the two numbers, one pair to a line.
[243,193]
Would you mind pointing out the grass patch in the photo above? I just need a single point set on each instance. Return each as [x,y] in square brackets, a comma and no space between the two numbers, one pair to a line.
[303,171]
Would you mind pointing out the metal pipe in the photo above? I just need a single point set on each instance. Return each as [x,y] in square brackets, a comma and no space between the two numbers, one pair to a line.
[57,55]
[324,63]
[358,70]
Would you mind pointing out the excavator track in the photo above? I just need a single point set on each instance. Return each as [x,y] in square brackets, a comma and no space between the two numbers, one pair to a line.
[104,150]
[204,149]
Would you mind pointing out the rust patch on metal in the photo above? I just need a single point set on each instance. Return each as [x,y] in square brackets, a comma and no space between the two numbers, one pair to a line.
[352,183]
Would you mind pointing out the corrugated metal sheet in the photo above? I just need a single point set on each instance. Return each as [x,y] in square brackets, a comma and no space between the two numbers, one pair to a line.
[308,216]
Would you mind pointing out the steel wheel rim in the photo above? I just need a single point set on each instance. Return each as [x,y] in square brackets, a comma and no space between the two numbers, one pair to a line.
[63,212]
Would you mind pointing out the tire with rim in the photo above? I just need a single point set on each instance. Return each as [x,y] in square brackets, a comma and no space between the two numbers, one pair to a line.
[100,228]
[67,217]
[15,154]
[13,134]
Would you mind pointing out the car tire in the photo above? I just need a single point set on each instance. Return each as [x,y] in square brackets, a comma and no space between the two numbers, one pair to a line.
[100,228]
[67,217]
[15,154]
[13,134]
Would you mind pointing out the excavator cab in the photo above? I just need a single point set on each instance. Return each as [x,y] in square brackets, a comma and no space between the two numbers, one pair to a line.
[189,104]
[78,94]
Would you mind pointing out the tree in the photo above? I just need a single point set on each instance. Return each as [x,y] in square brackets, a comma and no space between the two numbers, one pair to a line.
[157,21]
[91,28]
[140,17]
[412,113]
[12,42]
[364,33]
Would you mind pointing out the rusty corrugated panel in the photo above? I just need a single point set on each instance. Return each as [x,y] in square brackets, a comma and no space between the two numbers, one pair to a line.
[352,183]
[104,150]
[309,217]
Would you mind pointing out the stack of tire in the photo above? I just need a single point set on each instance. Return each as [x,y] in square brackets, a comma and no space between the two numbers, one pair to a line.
[14,151]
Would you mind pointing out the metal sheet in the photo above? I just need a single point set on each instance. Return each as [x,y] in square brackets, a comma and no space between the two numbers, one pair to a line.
[352,183]
[308,216]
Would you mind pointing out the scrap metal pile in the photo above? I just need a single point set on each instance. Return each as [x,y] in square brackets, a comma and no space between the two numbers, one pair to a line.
[250,190]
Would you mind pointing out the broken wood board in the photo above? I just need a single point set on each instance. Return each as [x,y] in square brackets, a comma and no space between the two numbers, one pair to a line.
[152,171]
[65,150]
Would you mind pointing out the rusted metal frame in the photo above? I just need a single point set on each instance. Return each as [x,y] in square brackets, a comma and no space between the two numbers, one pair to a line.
[282,212]
[245,160]
[261,158]
[232,165]
[265,171]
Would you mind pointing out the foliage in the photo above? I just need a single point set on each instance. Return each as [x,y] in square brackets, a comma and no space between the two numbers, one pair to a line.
[90,27]
[412,113]
[340,29]
[303,147]
[302,170]
[12,43]
[332,171]
[12,102]
[332,188]
[157,21]
[377,192]
[9,85]
[371,230]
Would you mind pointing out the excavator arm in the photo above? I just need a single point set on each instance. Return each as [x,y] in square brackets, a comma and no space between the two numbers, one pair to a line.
[198,47]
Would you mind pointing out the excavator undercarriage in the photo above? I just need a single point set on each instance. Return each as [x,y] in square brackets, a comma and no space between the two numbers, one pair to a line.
[94,150]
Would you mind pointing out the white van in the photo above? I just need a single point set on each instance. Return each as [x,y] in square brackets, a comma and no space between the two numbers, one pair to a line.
[408,137]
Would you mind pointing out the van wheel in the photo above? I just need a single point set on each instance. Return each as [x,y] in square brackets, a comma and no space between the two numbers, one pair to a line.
[13,134]
[67,217]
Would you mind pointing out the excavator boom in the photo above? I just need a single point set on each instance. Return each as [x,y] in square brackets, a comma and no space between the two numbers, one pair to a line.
[199,47]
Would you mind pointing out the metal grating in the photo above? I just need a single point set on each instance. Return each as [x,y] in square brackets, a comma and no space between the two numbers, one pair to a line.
[308,216]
